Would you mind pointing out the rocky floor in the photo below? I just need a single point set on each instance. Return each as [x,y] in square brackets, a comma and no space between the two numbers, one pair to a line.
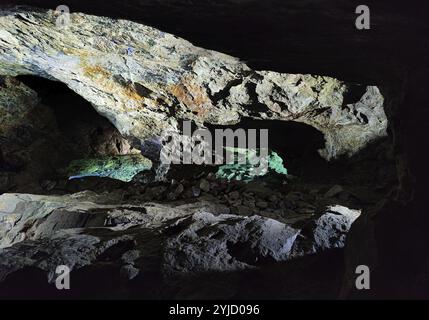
[163,239]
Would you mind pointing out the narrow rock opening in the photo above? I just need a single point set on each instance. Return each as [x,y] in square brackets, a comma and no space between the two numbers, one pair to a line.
[62,137]
[81,127]
[296,143]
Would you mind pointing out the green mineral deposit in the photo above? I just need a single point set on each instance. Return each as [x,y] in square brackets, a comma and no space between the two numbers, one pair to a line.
[122,167]
[248,171]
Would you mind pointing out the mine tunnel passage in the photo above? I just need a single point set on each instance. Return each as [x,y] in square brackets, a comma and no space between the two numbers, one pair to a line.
[296,143]
[75,117]
[61,127]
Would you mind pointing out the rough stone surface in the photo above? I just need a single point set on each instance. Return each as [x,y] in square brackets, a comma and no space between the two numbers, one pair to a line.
[83,229]
[143,80]
[332,227]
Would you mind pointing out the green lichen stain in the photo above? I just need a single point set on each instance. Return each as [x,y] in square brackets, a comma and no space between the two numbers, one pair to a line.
[123,167]
[248,171]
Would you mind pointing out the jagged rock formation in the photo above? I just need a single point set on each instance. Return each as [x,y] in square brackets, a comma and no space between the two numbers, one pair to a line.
[391,238]
[86,229]
[144,80]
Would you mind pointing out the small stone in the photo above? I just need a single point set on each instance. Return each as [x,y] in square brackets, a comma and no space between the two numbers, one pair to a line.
[234,202]
[268,214]
[334,191]
[304,210]
[204,185]
[154,193]
[210,176]
[129,256]
[281,204]
[240,210]
[288,212]
[279,213]
[234,195]
[291,177]
[249,203]
[171,196]
[273,198]
[303,204]
[262,204]
[128,272]
[294,196]
[248,196]
[179,189]
[214,185]
[48,184]
[199,175]
[196,191]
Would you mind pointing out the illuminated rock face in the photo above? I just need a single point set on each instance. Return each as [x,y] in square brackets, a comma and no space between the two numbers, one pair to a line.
[78,229]
[144,80]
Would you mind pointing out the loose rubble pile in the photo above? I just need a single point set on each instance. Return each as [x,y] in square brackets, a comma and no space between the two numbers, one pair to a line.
[275,196]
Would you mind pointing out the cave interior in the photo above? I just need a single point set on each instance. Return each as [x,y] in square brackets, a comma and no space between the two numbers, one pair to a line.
[379,180]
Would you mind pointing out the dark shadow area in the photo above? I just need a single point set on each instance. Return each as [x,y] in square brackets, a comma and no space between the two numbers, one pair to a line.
[76,119]
[62,127]
[312,277]
[27,283]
